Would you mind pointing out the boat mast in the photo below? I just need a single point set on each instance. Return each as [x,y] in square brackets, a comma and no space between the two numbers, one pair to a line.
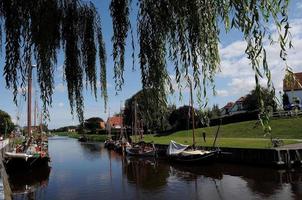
[192,113]
[29,88]
[41,121]
[121,136]
[109,126]
[135,116]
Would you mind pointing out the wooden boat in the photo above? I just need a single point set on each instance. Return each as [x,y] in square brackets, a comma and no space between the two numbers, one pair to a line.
[109,144]
[186,154]
[142,149]
[82,139]
[34,151]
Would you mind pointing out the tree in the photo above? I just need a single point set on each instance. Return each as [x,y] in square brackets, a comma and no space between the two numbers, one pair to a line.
[215,112]
[6,124]
[181,118]
[93,123]
[252,103]
[151,116]
[184,31]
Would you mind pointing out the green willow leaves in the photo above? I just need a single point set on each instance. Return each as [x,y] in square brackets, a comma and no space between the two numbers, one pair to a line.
[186,33]
[37,29]
[182,32]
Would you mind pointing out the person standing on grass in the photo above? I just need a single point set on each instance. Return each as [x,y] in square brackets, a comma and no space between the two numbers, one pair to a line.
[204,136]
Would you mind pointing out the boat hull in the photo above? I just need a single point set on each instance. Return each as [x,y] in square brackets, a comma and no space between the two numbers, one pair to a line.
[136,152]
[205,158]
[13,164]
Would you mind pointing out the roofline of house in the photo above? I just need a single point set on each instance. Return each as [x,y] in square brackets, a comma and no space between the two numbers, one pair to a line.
[292,90]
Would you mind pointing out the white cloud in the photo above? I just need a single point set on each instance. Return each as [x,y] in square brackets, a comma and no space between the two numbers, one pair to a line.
[61,104]
[222,93]
[60,87]
[236,67]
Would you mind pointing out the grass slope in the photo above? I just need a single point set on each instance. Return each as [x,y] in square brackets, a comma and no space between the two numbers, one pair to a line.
[244,134]
[90,137]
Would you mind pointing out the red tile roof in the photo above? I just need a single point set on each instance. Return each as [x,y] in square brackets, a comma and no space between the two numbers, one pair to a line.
[241,99]
[115,121]
[287,86]
[228,105]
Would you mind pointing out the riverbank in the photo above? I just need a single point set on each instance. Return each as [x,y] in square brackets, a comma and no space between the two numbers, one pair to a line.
[247,134]
[90,137]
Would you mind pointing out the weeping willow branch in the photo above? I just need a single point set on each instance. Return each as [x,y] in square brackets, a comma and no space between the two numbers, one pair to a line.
[184,32]
[38,29]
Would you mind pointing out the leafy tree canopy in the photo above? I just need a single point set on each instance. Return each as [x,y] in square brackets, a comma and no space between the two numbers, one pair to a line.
[186,32]
[147,111]
[252,103]
[6,124]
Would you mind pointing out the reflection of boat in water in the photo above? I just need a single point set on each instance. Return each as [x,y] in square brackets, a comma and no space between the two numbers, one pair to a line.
[146,172]
[185,153]
[29,182]
[141,149]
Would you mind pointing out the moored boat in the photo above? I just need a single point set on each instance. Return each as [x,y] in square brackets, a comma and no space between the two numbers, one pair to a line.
[142,149]
[186,154]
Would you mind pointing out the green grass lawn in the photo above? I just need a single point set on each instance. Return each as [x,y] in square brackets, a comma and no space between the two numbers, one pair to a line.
[91,137]
[244,134]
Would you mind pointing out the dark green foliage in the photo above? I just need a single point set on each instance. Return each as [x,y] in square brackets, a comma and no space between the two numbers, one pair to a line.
[93,124]
[184,31]
[251,101]
[215,112]
[151,116]
[6,124]
[38,29]
[181,118]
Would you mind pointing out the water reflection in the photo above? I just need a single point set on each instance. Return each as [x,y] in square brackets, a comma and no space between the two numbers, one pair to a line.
[88,171]
[222,179]
[91,150]
[31,184]
[140,171]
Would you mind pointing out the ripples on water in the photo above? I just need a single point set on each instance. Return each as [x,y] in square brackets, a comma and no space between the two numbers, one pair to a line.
[88,171]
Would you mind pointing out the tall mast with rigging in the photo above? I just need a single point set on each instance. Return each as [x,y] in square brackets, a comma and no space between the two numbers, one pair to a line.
[192,113]
[29,89]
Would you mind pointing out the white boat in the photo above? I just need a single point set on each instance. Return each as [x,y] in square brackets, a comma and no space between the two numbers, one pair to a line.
[184,153]
[17,155]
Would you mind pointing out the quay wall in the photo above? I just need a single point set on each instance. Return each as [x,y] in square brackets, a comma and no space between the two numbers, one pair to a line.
[273,157]
[6,192]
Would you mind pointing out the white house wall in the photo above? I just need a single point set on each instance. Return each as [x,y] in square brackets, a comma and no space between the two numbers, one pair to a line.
[292,94]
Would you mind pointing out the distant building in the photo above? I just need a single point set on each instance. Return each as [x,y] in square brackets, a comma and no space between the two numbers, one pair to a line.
[226,109]
[294,89]
[238,106]
[115,122]
[102,125]
[71,130]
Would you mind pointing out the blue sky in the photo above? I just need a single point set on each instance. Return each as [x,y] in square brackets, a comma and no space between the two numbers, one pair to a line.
[235,79]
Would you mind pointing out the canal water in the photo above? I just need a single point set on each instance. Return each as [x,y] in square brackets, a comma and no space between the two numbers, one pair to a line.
[88,171]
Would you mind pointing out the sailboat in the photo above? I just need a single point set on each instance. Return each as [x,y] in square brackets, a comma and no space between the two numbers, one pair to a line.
[141,148]
[188,154]
[33,152]
[109,142]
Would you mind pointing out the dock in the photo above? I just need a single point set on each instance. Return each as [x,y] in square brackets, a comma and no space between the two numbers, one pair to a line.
[282,157]
[5,190]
